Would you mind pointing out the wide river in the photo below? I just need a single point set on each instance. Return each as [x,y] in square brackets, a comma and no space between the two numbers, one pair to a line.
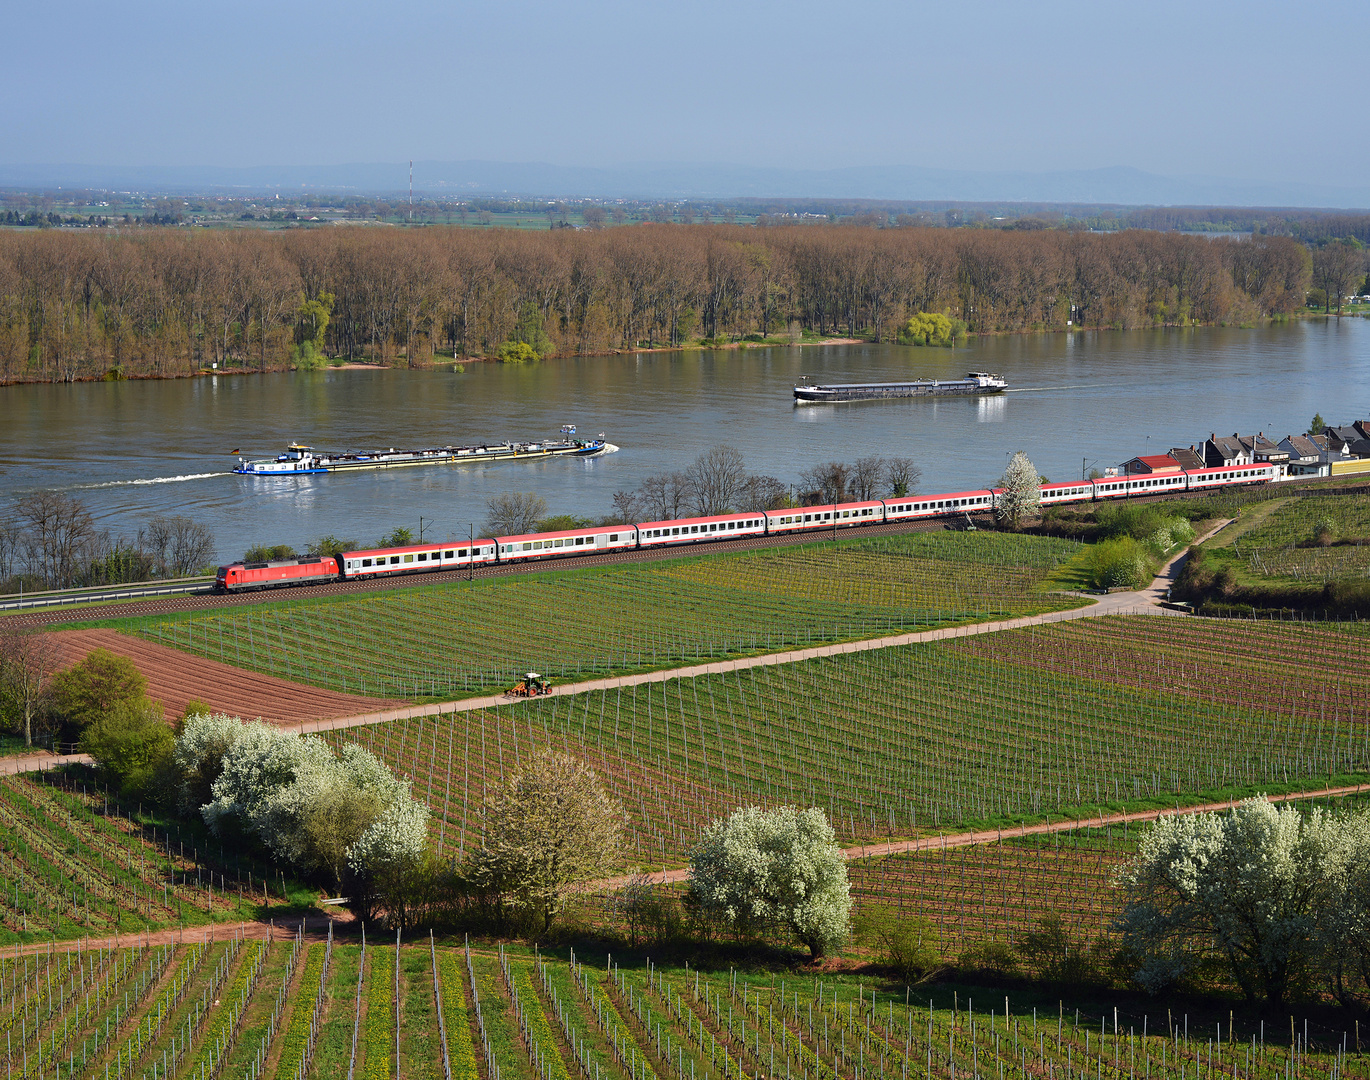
[131,450]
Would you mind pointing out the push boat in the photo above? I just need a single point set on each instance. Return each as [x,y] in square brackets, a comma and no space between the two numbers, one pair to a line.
[975,382]
[301,460]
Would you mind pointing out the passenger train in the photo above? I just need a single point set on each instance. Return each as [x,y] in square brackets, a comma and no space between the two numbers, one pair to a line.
[421,558]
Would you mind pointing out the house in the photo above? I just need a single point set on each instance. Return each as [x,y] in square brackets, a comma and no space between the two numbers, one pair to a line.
[1264,451]
[1363,426]
[1188,457]
[1341,438]
[1220,452]
[1306,457]
[1151,464]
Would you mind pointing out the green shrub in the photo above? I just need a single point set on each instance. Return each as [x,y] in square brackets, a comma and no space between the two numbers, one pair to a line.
[930,328]
[92,688]
[909,947]
[1122,563]
[131,746]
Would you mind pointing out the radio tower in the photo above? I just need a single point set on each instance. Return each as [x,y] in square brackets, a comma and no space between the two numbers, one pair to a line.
[411,191]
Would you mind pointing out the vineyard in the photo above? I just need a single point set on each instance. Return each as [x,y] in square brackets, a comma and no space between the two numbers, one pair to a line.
[73,863]
[466,638]
[901,741]
[286,1010]
[1286,543]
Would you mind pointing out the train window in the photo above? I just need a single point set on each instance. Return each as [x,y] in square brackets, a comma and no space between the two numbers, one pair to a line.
[450,554]
[613,538]
[423,556]
[394,560]
[528,546]
[461,553]
[409,558]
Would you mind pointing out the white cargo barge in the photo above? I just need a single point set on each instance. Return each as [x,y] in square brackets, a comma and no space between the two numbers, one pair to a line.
[976,382]
[300,460]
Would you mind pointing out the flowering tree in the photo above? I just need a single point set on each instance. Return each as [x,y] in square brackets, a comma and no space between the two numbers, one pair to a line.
[783,866]
[549,827]
[1021,490]
[1250,889]
[316,810]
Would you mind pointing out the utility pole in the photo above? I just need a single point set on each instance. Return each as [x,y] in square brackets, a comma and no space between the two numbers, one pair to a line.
[471,550]
[421,527]
[411,191]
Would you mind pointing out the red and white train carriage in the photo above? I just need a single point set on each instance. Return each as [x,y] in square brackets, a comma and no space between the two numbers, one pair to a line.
[419,558]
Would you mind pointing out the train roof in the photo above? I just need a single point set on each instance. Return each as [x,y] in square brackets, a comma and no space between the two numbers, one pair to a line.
[699,520]
[561,534]
[435,546]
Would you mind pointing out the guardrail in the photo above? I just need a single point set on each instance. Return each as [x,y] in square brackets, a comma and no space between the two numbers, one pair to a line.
[59,597]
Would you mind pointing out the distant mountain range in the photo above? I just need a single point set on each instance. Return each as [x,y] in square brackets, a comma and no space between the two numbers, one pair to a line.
[1116,186]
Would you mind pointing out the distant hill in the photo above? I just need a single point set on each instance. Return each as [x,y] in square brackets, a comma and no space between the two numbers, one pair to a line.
[1117,186]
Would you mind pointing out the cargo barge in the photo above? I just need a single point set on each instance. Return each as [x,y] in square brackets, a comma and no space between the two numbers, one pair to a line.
[300,460]
[976,382]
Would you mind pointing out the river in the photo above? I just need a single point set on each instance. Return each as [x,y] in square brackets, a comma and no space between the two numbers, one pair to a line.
[134,449]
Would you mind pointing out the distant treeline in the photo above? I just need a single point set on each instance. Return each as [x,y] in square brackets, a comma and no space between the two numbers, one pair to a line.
[170,301]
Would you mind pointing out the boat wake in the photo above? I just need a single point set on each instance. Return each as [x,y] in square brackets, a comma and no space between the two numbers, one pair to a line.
[149,480]
[1042,389]
[609,448]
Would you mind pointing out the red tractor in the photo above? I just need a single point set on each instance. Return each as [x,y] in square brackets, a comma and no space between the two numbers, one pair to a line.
[531,685]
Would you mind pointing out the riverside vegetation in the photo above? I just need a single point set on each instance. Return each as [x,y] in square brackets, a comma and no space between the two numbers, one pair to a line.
[166,302]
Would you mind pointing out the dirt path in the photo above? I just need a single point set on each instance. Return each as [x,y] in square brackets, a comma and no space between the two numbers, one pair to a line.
[175,678]
[994,836]
[316,926]
[1141,602]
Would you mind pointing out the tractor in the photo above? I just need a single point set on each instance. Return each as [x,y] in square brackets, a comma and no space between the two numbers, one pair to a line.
[531,685]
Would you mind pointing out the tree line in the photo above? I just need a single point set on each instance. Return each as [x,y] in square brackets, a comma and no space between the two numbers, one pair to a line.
[163,302]
[49,540]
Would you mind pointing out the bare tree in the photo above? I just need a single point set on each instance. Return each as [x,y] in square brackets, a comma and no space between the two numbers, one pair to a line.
[866,475]
[826,483]
[664,497]
[28,660]
[1337,267]
[57,534]
[10,548]
[763,493]
[716,479]
[179,545]
[513,513]
[902,476]
[626,507]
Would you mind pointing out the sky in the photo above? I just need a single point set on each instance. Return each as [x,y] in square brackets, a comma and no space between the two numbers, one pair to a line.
[1252,90]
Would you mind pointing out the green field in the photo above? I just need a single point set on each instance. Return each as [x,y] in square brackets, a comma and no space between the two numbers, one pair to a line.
[446,640]
[910,740]
[1285,544]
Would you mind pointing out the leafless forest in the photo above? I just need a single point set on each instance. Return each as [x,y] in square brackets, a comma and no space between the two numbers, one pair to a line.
[165,302]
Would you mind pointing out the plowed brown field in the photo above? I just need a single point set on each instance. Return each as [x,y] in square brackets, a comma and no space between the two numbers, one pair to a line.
[174,678]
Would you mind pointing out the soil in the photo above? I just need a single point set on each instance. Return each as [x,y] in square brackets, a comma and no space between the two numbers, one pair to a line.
[174,678]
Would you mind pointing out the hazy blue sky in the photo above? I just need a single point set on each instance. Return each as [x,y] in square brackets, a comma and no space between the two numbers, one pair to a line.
[1253,90]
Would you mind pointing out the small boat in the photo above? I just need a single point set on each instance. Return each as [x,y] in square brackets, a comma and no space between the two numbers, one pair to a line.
[976,382]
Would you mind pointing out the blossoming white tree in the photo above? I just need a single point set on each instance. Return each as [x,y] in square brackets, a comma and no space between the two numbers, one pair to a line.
[1252,888]
[315,810]
[1021,492]
[782,866]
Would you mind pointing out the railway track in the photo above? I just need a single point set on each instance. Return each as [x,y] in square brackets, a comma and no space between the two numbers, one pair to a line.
[204,602]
